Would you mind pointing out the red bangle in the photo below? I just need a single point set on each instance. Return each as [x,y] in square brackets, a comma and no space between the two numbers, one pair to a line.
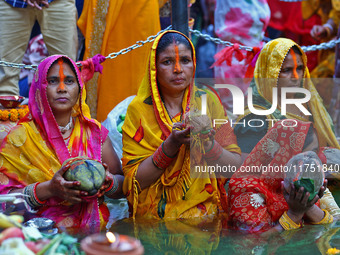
[160,159]
[214,153]
[113,187]
[110,187]
[35,194]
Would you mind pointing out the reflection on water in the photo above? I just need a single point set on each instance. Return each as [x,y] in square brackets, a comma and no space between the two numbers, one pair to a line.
[211,236]
[118,208]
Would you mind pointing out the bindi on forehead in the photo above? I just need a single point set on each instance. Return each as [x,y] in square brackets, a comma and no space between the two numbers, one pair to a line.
[61,73]
[177,65]
[295,64]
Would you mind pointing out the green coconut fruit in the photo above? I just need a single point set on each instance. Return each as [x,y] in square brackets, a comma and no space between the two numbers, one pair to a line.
[90,174]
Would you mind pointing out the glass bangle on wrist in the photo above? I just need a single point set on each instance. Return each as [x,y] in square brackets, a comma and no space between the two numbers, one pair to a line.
[113,187]
[160,159]
[214,153]
[287,223]
[328,218]
[32,200]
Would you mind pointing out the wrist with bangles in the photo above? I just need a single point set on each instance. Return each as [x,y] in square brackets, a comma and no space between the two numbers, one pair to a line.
[214,153]
[329,28]
[160,159]
[113,186]
[32,199]
[287,223]
[327,218]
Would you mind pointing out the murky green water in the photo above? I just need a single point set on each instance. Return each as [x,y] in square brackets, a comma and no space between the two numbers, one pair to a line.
[210,237]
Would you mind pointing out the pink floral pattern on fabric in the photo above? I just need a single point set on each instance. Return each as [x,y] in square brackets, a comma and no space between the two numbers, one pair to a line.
[235,25]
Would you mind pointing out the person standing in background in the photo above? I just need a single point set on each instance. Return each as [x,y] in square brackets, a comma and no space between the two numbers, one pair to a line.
[242,22]
[329,13]
[109,26]
[57,20]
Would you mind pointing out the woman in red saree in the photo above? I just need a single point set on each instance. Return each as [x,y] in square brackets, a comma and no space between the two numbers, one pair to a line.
[257,200]
[58,127]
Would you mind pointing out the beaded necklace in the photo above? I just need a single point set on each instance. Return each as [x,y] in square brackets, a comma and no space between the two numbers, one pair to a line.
[68,126]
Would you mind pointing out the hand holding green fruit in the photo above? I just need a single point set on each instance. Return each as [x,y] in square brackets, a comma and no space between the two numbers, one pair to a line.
[90,173]
[65,189]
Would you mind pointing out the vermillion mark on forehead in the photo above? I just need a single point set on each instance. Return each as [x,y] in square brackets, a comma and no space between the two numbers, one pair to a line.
[177,67]
[61,74]
[295,64]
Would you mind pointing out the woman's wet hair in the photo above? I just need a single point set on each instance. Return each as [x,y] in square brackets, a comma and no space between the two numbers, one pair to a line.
[296,50]
[170,38]
[309,137]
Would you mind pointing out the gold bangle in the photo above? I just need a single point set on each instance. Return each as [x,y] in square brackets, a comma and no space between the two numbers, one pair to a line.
[287,223]
[328,218]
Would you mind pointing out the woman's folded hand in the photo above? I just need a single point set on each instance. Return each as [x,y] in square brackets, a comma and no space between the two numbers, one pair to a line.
[107,182]
[63,189]
[297,201]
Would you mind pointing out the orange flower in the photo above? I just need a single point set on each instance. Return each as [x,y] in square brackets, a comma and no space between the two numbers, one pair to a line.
[4,115]
[14,114]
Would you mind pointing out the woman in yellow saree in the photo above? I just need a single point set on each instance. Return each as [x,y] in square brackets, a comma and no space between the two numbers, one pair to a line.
[156,152]
[282,63]
[58,127]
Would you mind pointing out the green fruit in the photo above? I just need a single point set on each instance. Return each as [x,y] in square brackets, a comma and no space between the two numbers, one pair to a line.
[90,173]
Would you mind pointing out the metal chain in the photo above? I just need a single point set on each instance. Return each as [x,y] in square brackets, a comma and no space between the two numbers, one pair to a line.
[21,66]
[218,40]
[110,56]
[323,46]
[137,45]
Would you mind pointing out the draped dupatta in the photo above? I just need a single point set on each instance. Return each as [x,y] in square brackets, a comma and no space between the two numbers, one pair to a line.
[35,149]
[175,194]
[266,75]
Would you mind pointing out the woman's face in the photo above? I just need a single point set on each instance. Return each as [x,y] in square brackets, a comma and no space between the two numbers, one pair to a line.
[62,89]
[175,68]
[291,73]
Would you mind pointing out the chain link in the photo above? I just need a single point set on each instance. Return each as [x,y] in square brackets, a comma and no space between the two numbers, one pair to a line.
[218,40]
[21,66]
[110,56]
[323,46]
[137,45]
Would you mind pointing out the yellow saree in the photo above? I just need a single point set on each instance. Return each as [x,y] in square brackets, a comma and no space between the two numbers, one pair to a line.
[175,194]
[109,26]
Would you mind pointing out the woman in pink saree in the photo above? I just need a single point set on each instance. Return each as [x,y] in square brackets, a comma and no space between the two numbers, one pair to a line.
[59,127]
